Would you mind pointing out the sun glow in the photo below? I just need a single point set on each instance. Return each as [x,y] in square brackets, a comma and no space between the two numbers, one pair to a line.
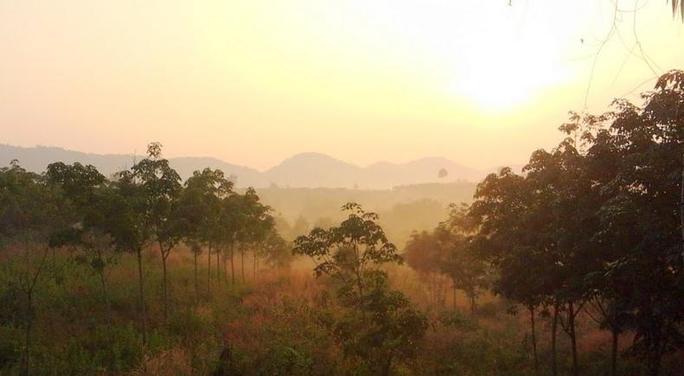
[413,77]
[505,75]
[489,56]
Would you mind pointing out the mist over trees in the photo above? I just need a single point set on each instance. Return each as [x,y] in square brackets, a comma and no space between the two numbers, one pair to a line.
[572,266]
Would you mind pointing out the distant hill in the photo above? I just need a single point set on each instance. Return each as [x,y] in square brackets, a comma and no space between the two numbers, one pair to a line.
[314,170]
[320,170]
[305,170]
[37,158]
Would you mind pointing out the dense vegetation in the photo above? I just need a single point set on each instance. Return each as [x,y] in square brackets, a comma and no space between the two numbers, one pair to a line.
[141,273]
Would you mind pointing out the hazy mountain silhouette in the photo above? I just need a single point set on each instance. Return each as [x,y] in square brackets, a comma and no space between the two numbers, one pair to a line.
[38,157]
[315,170]
[301,170]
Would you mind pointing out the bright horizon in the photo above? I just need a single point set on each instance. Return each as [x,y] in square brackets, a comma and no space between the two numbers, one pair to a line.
[254,82]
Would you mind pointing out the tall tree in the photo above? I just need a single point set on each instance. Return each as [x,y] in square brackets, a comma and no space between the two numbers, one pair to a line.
[199,213]
[161,188]
[85,189]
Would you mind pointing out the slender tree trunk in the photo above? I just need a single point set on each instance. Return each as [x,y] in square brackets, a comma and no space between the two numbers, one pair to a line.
[225,268]
[194,252]
[472,304]
[105,295]
[209,270]
[218,269]
[254,266]
[573,337]
[54,259]
[534,340]
[165,288]
[453,293]
[242,266]
[357,271]
[614,352]
[31,314]
[554,330]
[164,256]
[141,288]
[27,335]
[359,283]
[232,264]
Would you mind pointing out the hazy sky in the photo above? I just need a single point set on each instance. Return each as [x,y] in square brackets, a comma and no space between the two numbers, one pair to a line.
[255,81]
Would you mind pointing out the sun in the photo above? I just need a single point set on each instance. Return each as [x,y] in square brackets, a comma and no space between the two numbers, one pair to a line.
[500,75]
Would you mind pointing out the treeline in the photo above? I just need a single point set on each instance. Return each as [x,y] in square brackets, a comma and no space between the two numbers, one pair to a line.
[590,230]
[594,227]
[74,207]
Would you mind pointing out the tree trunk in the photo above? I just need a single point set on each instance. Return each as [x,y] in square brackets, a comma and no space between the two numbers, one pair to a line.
[453,293]
[105,295]
[232,264]
[573,337]
[218,269]
[31,315]
[164,289]
[225,267]
[27,335]
[472,304]
[614,352]
[554,330]
[254,267]
[534,340]
[359,283]
[141,288]
[196,278]
[242,266]
[164,256]
[209,270]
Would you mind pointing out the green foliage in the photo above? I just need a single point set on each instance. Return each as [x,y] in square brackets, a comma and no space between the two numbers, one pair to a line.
[380,326]
[377,325]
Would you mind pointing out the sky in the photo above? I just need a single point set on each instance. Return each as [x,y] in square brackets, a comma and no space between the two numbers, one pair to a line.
[252,82]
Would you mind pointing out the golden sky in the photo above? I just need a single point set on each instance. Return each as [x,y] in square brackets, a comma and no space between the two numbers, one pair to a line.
[255,81]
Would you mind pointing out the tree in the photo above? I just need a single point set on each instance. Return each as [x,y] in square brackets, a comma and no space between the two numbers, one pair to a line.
[464,266]
[379,324]
[636,160]
[256,222]
[381,327]
[161,187]
[85,188]
[233,220]
[31,212]
[199,208]
[133,212]
[593,221]
[277,250]
[425,252]
[508,236]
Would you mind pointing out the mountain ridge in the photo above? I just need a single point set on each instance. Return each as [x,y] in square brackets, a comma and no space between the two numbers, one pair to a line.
[301,170]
